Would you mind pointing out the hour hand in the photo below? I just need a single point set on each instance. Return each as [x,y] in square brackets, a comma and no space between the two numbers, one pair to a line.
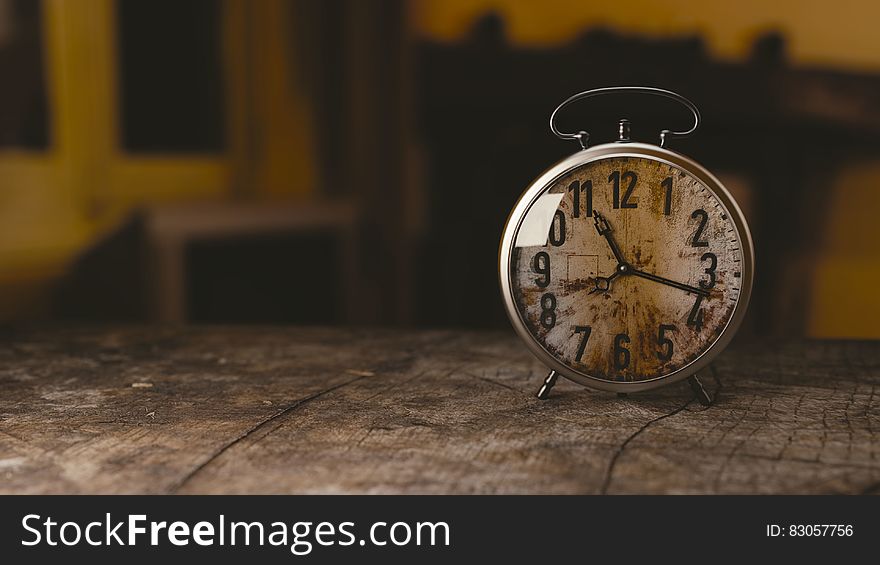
[604,229]
[603,284]
[602,225]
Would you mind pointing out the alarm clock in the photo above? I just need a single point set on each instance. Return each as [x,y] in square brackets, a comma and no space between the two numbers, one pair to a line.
[626,266]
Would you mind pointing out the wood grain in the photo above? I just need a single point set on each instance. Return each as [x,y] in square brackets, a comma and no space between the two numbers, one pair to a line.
[275,410]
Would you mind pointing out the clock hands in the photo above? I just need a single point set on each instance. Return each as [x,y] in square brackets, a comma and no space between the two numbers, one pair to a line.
[603,284]
[604,229]
[673,284]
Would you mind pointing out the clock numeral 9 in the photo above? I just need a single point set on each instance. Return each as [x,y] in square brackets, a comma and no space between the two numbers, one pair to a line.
[710,270]
[548,311]
[541,265]
[576,188]
[621,353]
[616,178]
[557,229]
[698,240]
[666,347]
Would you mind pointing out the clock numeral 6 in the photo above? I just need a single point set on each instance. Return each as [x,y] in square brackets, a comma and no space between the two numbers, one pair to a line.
[548,311]
[666,347]
[541,265]
[621,353]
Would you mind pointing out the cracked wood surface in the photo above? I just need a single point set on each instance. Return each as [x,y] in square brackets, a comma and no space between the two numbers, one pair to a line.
[286,410]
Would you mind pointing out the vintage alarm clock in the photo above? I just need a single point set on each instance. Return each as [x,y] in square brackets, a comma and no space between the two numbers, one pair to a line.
[626,266]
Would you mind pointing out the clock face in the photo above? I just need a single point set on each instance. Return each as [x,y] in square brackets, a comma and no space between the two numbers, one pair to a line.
[626,269]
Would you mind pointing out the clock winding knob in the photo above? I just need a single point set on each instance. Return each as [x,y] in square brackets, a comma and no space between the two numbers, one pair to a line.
[623,131]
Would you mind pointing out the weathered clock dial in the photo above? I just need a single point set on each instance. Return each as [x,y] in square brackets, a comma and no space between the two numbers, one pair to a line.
[626,269]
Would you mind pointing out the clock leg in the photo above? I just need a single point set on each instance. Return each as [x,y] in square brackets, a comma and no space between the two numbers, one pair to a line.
[552,376]
[699,391]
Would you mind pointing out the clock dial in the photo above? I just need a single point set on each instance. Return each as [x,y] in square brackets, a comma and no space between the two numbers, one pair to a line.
[626,269]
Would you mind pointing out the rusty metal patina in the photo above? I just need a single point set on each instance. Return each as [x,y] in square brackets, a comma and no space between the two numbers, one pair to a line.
[650,240]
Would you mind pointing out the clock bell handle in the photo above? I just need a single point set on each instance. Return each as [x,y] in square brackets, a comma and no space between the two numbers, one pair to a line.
[583,137]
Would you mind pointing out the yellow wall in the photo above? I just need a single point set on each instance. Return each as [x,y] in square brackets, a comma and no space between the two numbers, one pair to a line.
[842,33]
[847,263]
[52,205]
[55,203]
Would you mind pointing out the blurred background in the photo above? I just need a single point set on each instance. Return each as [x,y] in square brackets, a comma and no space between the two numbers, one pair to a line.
[353,162]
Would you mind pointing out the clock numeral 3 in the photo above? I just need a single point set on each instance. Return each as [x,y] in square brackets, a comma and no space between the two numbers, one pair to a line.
[695,318]
[585,332]
[548,311]
[698,240]
[576,188]
[541,265]
[617,178]
[557,229]
[621,353]
[710,270]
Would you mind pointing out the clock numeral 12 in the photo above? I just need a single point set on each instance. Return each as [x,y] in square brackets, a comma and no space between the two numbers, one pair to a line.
[616,177]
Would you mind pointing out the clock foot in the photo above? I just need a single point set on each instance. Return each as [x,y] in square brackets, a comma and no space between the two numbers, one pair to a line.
[552,376]
[699,391]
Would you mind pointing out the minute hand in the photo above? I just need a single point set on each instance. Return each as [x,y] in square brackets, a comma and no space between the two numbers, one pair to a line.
[668,282]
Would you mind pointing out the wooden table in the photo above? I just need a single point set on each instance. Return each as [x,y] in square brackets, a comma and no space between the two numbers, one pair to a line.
[289,410]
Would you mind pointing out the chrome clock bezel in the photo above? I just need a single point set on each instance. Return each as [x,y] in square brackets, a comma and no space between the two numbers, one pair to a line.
[638,150]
